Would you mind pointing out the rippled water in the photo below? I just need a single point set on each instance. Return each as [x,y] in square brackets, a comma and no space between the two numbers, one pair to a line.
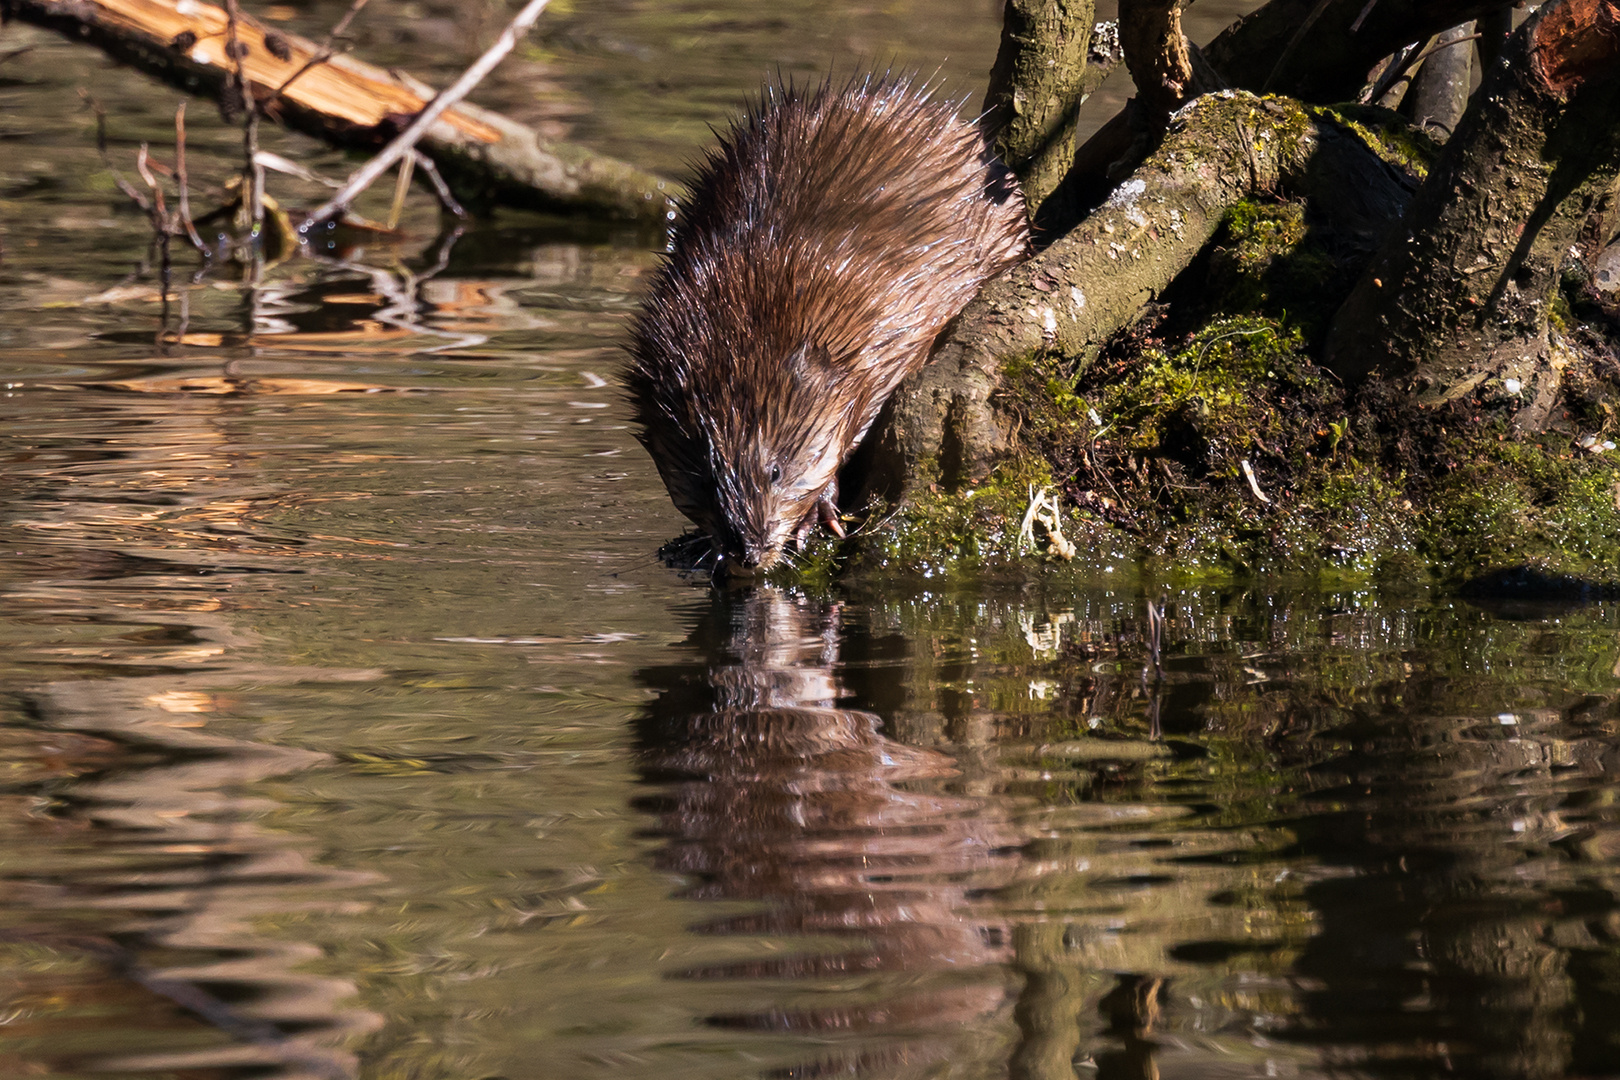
[349,729]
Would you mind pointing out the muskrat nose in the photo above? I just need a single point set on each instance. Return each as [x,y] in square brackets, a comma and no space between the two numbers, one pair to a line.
[751,563]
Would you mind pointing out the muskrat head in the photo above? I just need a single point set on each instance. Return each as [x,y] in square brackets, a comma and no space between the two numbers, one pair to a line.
[775,466]
[768,495]
[750,450]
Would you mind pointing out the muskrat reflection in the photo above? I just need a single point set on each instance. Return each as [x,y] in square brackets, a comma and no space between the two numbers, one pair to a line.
[776,794]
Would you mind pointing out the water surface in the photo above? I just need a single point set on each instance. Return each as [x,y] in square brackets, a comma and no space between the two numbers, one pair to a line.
[348,727]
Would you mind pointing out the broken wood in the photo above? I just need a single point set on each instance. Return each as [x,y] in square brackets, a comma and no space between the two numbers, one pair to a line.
[405,142]
[486,158]
[1158,56]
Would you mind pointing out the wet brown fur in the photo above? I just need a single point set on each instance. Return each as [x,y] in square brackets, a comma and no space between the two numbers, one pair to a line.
[827,241]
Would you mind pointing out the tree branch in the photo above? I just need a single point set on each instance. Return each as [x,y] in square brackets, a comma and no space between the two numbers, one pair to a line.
[485,157]
[407,139]
[1072,297]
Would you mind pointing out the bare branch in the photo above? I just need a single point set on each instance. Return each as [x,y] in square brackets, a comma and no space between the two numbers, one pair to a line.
[407,139]
[252,174]
[101,147]
[349,103]
[182,183]
[321,57]
[442,189]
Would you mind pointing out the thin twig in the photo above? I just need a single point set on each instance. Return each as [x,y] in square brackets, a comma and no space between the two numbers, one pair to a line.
[1394,73]
[441,188]
[1355,27]
[183,184]
[1439,45]
[252,175]
[106,159]
[402,187]
[162,226]
[142,166]
[1254,484]
[277,163]
[442,101]
[1403,68]
[1293,42]
[324,54]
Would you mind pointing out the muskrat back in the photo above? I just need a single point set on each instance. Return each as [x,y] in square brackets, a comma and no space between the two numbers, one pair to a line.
[826,242]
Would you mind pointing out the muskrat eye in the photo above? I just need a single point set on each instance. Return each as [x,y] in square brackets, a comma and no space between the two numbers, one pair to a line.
[776,473]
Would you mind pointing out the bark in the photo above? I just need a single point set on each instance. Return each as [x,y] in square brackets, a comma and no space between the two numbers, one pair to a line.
[1314,50]
[1330,59]
[943,424]
[1157,55]
[1439,96]
[485,157]
[1168,72]
[1035,89]
[1460,293]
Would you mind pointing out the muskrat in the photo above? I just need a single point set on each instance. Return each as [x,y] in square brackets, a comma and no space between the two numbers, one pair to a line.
[826,242]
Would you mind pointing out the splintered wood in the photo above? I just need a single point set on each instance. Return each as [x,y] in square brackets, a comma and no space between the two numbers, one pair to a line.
[342,89]
[486,157]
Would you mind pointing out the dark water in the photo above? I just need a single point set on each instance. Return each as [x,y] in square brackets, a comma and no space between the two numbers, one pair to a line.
[347,728]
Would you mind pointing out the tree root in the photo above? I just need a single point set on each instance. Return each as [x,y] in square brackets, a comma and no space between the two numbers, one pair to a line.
[944,425]
[1464,292]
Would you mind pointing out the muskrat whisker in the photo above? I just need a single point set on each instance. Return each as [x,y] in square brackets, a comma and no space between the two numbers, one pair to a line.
[639,564]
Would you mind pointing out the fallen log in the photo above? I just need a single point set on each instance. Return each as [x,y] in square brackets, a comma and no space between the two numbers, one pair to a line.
[486,158]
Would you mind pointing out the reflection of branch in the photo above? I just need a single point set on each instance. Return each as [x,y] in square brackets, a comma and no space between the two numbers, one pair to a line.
[406,141]
[403,310]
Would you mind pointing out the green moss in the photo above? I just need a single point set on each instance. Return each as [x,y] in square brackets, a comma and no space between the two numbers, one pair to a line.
[1386,133]
[813,567]
[1268,260]
[977,531]
[1211,445]
[938,531]
[1559,315]
[1534,503]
